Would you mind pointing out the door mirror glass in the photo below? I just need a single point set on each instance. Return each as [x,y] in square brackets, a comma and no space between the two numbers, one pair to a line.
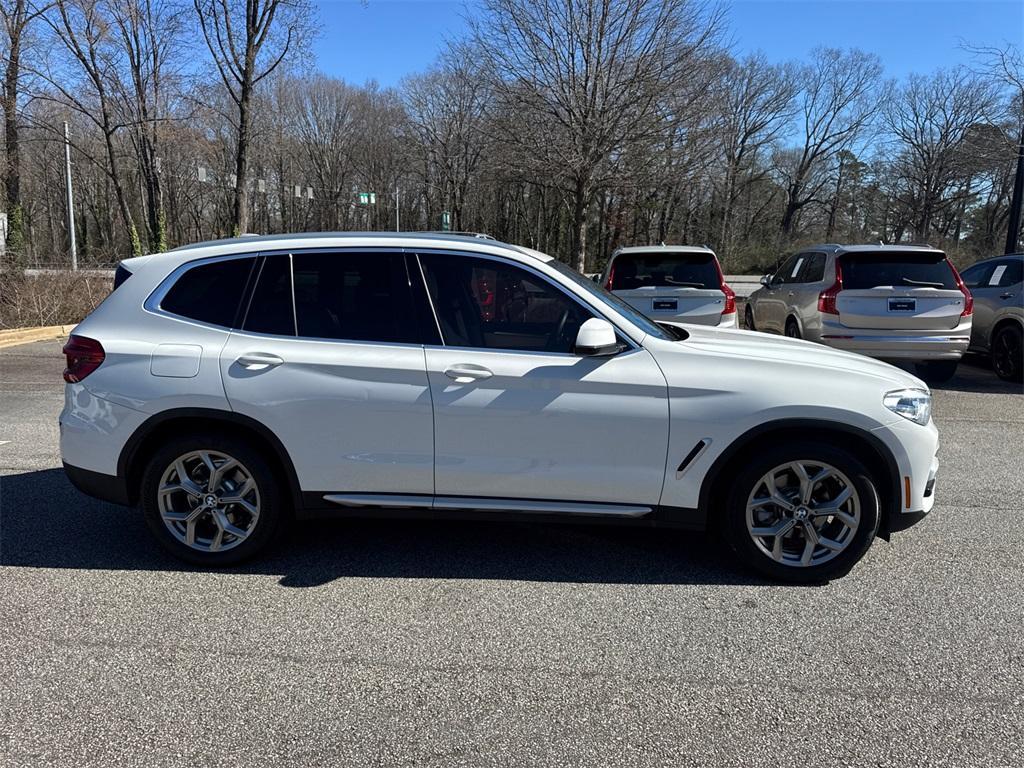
[766,281]
[596,338]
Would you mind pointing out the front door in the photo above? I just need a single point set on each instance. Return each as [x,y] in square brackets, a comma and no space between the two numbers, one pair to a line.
[338,376]
[517,415]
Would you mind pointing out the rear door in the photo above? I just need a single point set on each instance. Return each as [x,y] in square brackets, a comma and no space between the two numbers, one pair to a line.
[334,368]
[899,290]
[680,286]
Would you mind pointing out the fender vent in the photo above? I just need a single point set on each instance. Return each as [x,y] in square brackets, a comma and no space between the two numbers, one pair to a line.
[696,451]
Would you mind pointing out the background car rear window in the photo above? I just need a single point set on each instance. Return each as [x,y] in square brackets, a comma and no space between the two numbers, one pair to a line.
[353,296]
[494,305]
[900,270]
[671,270]
[210,292]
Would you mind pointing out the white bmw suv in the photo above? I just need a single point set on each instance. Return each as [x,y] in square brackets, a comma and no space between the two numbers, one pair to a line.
[226,386]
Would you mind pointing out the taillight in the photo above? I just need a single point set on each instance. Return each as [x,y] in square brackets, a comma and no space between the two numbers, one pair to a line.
[611,278]
[730,294]
[968,298]
[827,298]
[84,355]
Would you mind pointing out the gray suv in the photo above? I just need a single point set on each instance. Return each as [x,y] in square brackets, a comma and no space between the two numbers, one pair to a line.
[893,302]
[998,312]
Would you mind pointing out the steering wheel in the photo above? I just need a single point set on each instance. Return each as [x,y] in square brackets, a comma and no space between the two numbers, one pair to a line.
[555,339]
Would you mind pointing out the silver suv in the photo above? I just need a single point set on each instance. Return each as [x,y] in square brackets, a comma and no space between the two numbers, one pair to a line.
[996,285]
[893,302]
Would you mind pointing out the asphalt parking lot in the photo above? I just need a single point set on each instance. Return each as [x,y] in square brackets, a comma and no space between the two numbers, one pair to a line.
[447,644]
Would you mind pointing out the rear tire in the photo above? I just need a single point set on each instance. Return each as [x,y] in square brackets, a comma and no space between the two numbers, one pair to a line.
[225,509]
[937,371]
[1008,354]
[748,318]
[838,500]
[792,329]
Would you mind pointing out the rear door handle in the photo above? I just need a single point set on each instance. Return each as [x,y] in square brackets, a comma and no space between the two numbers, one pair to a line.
[259,361]
[464,373]
[1007,295]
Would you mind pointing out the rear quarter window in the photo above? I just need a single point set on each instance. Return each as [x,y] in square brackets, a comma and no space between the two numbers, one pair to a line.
[210,293]
[899,270]
[669,270]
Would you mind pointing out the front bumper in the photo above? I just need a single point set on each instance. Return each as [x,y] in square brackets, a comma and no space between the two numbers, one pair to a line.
[915,449]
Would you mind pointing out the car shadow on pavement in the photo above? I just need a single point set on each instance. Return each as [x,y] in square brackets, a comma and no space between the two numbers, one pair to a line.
[47,523]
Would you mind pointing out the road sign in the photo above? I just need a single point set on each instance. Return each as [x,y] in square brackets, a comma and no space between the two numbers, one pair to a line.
[446,221]
[367,198]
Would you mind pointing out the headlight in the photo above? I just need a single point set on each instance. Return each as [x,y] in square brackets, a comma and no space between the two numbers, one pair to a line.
[913,404]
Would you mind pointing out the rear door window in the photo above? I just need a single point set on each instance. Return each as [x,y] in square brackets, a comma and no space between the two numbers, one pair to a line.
[813,269]
[664,270]
[210,293]
[897,269]
[353,296]
[270,308]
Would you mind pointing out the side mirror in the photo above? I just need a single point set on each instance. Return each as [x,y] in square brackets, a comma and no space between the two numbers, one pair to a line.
[766,281]
[596,338]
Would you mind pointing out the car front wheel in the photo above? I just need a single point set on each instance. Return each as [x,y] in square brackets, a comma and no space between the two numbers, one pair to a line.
[802,513]
[1008,354]
[210,500]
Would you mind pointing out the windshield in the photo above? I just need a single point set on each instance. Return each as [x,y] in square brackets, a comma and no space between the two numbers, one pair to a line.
[899,270]
[642,322]
[664,270]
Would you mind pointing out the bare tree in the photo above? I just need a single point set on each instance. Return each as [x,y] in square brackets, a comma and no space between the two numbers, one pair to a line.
[248,40]
[581,82]
[757,105]
[17,16]
[840,96]
[929,120]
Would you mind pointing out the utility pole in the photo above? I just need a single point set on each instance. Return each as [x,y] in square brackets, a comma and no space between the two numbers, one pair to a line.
[70,199]
[397,227]
[1013,225]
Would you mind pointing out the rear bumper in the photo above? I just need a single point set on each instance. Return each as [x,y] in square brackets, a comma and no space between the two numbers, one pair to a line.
[950,344]
[104,487]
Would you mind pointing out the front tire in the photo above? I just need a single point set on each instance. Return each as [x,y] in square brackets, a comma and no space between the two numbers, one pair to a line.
[211,500]
[748,318]
[802,513]
[792,329]
[936,371]
[1008,354]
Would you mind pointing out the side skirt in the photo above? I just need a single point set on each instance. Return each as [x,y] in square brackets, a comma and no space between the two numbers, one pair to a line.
[326,505]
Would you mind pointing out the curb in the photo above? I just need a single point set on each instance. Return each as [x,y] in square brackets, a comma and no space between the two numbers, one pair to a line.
[15,336]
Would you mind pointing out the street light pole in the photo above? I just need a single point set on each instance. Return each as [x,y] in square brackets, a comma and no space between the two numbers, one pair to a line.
[70,199]
[397,227]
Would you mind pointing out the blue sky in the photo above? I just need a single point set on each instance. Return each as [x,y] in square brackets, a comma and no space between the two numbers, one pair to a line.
[384,40]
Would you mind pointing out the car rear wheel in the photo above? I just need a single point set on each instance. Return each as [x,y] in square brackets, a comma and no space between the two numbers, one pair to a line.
[1008,354]
[210,500]
[802,513]
[748,318]
[936,371]
[792,329]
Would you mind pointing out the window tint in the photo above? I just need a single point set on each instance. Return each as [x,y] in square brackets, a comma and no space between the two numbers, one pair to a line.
[1009,273]
[670,270]
[270,308]
[353,296]
[977,276]
[784,274]
[901,270]
[814,268]
[211,292]
[495,305]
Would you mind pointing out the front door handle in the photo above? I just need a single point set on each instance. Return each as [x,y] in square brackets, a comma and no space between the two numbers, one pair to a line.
[258,361]
[1007,295]
[464,373]
[791,294]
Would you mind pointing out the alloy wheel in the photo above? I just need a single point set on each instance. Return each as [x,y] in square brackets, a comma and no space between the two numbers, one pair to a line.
[209,501]
[1007,354]
[803,513]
